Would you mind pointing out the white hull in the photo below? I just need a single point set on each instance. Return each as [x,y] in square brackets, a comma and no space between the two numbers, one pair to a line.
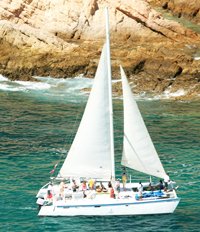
[113,207]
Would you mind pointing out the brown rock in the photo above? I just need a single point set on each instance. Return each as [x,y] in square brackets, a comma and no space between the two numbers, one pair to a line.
[64,39]
[142,13]
[181,8]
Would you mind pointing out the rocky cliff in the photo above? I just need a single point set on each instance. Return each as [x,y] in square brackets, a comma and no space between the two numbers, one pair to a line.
[181,8]
[64,38]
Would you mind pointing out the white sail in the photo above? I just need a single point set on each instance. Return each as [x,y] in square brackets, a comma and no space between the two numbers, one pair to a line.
[138,150]
[90,153]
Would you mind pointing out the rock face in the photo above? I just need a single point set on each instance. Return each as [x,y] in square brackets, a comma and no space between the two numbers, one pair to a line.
[64,38]
[181,8]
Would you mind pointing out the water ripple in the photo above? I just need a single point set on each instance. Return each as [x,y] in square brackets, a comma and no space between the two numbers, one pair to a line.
[35,133]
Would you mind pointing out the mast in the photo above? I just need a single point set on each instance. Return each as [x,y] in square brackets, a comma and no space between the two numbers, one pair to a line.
[110,93]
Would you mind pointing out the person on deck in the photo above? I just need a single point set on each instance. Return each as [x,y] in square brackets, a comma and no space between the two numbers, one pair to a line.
[109,185]
[60,197]
[62,188]
[84,186]
[50,192]
[166,180]
[49,195]
[161,186]
[140,189]
[112,193]
[170,186]
[91,184]
[103,188]
[117,187]
[74,186]
[150,187]
[124,180]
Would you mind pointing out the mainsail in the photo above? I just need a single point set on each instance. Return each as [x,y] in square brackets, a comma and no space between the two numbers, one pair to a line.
[138,150]
[90,153]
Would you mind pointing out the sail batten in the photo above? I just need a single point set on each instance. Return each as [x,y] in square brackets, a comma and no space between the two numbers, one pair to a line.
[138,150]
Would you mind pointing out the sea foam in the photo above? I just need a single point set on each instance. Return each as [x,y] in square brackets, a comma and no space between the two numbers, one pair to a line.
[178,93]
[197,58]
[33,85]
[2,78]
[53,86]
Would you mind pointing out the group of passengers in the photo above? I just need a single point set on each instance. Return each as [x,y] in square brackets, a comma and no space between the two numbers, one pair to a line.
[91,184]
[165,185]
[112,188]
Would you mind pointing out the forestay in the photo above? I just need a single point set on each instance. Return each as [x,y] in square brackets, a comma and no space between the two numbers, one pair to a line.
[138,150]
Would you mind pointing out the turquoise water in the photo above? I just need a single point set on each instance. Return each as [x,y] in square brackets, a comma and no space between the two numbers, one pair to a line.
[37,126]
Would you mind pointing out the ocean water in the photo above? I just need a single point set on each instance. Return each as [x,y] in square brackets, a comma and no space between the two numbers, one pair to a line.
[37,124]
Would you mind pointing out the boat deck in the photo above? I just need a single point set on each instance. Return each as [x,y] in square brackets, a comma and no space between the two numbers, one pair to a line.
[95,197]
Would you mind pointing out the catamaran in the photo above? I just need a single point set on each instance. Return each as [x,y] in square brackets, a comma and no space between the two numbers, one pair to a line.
[91,159]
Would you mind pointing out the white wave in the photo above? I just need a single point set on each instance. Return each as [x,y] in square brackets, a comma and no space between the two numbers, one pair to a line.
[2,78]
[4,87]
[178,93]
[7,87]
[33,85]
[55,87]
[167,94]
[68,85]
[71,89]
[79,79]
[197,58]
[17,86]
